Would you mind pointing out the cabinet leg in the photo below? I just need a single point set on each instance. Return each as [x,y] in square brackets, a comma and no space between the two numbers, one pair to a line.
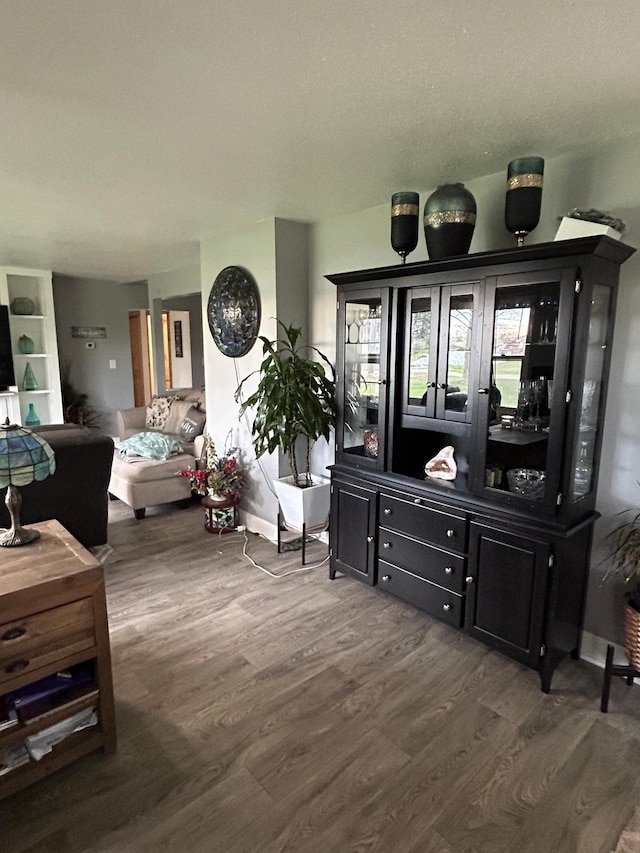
[139,513]
[545,680]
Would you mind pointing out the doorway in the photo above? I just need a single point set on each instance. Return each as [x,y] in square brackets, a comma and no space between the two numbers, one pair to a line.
[141,356]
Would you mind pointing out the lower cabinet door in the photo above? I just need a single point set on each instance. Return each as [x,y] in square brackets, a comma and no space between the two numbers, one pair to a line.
[352,531]
[430,597]
[506,591]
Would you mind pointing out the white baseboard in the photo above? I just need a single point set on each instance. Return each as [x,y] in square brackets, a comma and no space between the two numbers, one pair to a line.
[594,650]
[255,524]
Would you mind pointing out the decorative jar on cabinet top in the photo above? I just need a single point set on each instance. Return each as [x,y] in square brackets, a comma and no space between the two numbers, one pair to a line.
[449,221]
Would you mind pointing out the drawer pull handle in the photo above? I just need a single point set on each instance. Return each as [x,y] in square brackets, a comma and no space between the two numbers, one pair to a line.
[386,544]
[417,501]
[446,607]
[469,579]
[386,577]
[448,570]
[14,633]
[387,511]
[369,539]
[16,666]
[450,533]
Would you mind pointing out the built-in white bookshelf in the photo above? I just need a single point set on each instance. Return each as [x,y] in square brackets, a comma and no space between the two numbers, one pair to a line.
[39,327]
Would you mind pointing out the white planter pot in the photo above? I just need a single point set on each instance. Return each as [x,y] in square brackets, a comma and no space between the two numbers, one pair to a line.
[308,506]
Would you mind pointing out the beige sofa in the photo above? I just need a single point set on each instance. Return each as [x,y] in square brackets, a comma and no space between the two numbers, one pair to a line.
[146,483]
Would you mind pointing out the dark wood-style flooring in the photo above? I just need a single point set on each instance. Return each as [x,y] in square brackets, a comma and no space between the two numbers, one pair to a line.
[258,715]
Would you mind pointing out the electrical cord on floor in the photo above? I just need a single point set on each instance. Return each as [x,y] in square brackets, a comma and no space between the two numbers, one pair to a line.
[243,533]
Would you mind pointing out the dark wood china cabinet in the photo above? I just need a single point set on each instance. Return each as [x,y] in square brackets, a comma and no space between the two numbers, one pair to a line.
[503,356]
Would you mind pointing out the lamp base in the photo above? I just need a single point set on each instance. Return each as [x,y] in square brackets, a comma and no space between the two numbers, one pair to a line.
[18,536]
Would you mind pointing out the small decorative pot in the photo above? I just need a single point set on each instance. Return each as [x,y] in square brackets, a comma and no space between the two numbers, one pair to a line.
[218,497]
[449,221]
[23,305]
[25,344]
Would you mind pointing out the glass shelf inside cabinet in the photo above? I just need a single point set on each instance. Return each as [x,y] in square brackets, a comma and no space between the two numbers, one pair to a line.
[525,326]
[362,381]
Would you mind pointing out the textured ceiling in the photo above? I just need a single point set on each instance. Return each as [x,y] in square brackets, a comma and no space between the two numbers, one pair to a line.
[131,128]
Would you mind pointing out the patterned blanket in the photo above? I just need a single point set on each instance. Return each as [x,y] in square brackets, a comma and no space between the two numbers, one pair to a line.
[148,445]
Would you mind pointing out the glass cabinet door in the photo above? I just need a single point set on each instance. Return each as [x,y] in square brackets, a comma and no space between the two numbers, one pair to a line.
[441,352]
[588,397]
[422,313]
[459,353]
[362,380]
[522,414]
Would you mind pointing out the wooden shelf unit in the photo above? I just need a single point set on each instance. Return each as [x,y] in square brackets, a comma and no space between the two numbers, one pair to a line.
[52,616]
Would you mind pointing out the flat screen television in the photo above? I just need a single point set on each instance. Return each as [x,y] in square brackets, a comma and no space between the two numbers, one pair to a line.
[7,376]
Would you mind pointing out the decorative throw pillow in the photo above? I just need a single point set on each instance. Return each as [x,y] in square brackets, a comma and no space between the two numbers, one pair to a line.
[178,410]
[193,424]
[158,411]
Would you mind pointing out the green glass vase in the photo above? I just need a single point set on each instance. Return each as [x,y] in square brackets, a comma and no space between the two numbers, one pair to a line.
[32,419]
[25,344]
[29,382]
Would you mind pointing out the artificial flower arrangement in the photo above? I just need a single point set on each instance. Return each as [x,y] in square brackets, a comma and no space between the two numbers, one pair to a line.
[222,475]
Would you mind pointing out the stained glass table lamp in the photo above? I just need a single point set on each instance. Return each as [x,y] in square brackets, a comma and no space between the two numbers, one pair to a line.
[24,457]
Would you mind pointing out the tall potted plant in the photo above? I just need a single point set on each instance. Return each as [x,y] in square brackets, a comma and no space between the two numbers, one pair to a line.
[293,404]
[624,561]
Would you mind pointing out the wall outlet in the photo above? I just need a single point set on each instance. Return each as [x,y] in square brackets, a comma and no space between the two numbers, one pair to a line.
[112,364]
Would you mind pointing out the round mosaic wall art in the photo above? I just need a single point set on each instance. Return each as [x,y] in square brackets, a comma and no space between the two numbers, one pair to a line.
[233,311]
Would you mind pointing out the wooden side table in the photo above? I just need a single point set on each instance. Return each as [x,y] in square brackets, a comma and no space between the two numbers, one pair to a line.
[220,516]
[53,616]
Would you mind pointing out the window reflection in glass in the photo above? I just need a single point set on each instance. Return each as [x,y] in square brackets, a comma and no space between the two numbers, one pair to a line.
[459,353]
[420,342]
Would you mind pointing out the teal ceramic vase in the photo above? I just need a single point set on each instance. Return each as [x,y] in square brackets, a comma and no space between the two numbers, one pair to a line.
[449,221]
[32,419]
[25,344]
[29,382]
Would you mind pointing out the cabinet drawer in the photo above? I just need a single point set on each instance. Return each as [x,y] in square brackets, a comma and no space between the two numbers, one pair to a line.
[439,528]
[42,638]
[427,596]
[425,561]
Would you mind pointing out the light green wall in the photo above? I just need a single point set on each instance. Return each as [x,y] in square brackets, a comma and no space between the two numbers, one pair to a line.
[608,180]
[254,249]
[275,252]
[91,302]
